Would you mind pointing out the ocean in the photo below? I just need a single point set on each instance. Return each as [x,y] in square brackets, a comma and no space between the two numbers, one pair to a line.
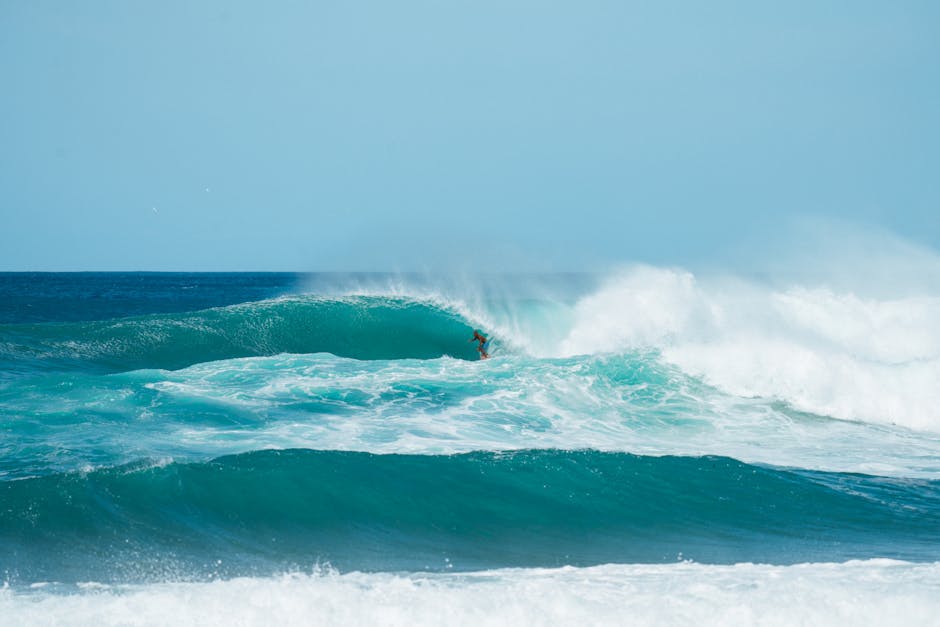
[644,446]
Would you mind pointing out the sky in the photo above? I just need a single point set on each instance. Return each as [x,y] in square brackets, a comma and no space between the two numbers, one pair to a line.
[319,135]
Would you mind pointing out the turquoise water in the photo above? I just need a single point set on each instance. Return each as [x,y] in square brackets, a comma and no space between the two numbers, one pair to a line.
[266,511]
[356,327]
[165,428]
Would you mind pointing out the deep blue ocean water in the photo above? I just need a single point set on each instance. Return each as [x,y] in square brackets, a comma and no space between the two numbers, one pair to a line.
[163,428]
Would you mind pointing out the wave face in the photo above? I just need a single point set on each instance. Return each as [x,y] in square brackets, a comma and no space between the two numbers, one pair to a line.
[190,430]
[360,511]
[357,327]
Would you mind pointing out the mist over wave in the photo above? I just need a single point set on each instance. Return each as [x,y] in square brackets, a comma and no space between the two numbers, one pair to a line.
[822,351]
[818,347]
[824,345]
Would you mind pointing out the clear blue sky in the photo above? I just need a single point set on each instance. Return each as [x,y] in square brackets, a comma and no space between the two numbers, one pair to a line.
[305,135]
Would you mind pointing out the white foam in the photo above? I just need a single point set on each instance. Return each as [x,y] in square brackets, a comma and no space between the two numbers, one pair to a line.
[874,592]
[451,406]
[822,351]
[837,345]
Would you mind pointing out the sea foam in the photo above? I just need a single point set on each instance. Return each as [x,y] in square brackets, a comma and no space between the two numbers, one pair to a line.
[874,592]
[828,352]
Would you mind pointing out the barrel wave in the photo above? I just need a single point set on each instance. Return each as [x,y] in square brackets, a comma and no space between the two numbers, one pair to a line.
[359,327]
[265,510]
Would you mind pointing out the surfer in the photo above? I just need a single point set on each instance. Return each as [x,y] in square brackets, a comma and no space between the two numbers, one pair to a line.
[484,345]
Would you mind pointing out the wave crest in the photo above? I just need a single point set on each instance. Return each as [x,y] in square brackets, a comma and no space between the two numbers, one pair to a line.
[819,350]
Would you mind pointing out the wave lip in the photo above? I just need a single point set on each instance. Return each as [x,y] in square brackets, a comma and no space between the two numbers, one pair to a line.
[267,511]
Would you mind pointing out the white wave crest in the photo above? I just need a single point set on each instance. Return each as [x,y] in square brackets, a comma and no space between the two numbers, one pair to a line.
[824,351]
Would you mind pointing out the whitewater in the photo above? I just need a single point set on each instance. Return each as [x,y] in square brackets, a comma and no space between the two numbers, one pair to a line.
[646,445]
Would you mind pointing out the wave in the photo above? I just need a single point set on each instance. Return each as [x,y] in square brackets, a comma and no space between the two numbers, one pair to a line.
[359,327]
[267,511]
[848,349]
[819,349]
